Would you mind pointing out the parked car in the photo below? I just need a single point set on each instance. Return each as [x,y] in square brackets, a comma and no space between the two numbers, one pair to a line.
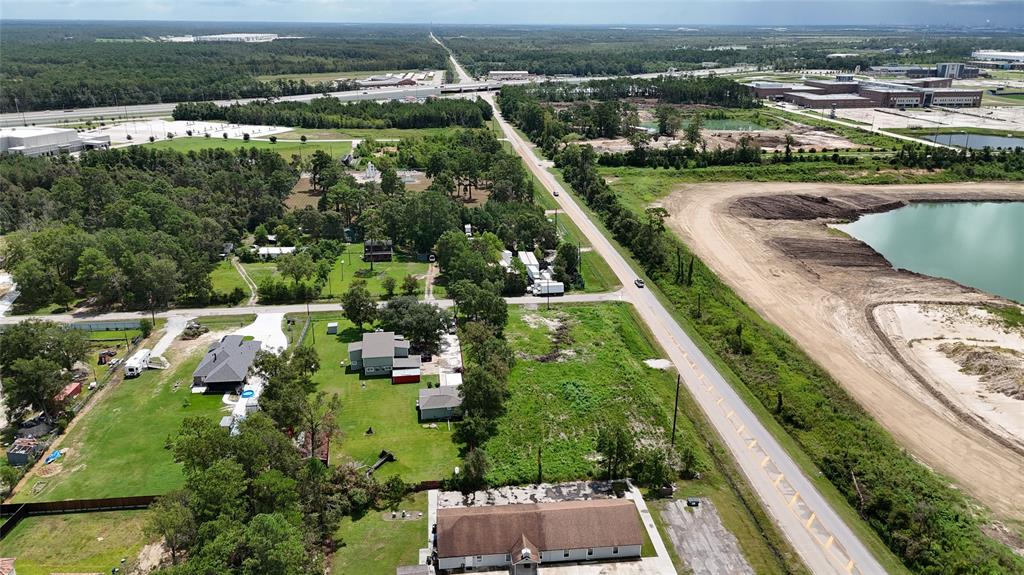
[639,283]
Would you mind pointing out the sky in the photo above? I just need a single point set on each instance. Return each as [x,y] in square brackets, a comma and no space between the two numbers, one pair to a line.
[1006,13]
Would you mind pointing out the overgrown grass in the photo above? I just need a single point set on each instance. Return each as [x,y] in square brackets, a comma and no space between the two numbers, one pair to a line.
[597,276]
[369,545]
[1011,315]
[561,404]
[75,543]
[421,453]
[117,448]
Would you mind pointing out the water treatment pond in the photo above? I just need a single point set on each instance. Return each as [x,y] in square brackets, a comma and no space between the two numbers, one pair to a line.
[976,141]
[978,244]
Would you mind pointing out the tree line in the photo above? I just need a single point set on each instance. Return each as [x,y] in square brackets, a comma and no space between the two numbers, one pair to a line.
[64,65]
[134,227]
[927,523]
[330,112]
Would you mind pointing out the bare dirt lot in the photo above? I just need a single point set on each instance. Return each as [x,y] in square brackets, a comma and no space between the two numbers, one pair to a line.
[770,242]
[805,137]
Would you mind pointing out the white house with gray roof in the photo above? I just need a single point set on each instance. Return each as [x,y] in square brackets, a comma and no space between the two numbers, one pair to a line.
[439,403]
[381,353]
[226,365]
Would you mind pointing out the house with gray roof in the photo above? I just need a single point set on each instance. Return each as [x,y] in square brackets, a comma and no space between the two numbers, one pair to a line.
[226,364]
[439,403]
[381,353]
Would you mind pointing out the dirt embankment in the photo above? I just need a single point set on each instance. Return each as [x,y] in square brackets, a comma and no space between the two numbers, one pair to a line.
[771,243]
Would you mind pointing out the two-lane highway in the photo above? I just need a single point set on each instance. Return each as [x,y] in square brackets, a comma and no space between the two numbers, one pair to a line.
[823,540]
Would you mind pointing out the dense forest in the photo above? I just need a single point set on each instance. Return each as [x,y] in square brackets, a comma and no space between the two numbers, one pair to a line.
[70,65]
[926,522]
[330,112]
[609,51]
[136,227]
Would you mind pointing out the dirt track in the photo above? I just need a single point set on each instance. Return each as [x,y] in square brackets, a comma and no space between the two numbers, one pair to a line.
[820,287]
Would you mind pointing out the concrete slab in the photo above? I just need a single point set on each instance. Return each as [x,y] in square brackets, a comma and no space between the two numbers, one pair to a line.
[701,540]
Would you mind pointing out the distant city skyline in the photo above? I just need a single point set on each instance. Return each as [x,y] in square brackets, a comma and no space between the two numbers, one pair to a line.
[1002,13]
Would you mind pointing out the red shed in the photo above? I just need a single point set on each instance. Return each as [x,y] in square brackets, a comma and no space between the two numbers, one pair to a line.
[70,391]
[405,375]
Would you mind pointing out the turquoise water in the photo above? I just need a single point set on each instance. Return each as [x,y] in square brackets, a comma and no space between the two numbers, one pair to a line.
[976,244]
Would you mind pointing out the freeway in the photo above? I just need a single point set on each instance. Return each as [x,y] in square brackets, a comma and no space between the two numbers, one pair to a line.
[464,84]
[821,537]
[285,308]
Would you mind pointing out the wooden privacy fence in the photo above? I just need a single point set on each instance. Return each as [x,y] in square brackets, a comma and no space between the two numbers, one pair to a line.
[12,513]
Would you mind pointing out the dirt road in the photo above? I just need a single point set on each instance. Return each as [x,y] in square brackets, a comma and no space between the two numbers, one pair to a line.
[818,287]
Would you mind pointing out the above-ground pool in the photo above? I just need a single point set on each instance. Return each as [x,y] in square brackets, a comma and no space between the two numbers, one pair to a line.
[248,393]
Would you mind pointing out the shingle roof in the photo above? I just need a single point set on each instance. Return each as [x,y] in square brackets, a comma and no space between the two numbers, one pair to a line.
[379,344]
[468,531]
[227,360]
[440,397]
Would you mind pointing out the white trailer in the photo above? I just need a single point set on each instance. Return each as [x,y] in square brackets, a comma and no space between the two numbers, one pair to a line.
[548,288]
[137,363]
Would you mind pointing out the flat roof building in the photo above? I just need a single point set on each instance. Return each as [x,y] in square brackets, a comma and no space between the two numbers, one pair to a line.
[998,55]
[508,75]
[47,141]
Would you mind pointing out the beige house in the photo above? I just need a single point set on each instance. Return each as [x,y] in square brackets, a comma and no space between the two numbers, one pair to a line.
[522,537]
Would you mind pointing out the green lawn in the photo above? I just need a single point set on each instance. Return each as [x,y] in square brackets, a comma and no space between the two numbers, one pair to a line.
[286,149]
[420,453]
[350,266]
[372,546]
[226,278]
[117,449]
[1011,100]
[360,133]
[82,542]
[342,274]
[597,276]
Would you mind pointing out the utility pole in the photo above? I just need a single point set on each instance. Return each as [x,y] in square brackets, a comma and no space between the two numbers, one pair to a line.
[675,410]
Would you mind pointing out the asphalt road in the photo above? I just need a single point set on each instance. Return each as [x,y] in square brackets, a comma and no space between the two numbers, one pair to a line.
[44,117]
[823,540]
[288,308]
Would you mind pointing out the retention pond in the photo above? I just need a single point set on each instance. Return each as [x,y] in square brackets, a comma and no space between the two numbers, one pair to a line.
[978,244]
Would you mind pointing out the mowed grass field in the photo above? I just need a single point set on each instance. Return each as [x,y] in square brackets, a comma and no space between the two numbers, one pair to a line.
[370,545]
[117,447]
[286,149]
[225,278]
[360,133]
[349,267]
[421,453]
[75,543]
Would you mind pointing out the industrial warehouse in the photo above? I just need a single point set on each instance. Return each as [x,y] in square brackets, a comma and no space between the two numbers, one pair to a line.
[847,92]
[47,141]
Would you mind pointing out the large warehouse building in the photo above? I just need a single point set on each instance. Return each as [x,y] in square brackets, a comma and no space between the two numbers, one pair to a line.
[846,92]
[47,141]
